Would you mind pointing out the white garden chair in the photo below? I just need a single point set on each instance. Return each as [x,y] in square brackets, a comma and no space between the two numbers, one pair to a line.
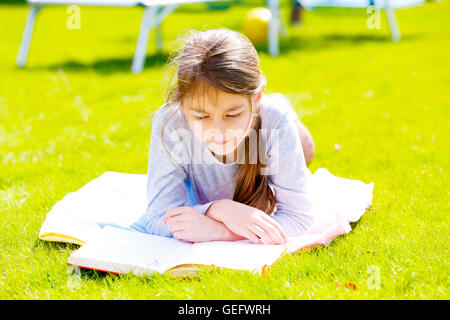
[387,5]
[155,12]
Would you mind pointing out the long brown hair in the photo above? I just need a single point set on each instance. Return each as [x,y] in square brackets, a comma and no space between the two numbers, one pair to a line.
[224,60]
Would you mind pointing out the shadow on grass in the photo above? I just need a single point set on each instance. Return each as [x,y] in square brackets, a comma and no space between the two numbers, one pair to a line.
[97,275]
[54,246]
[106,66]
[368,211]
[158,59]
[13,2]
[311,43]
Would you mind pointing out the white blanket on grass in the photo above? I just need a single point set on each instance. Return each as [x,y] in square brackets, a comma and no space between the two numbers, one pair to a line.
[119,200]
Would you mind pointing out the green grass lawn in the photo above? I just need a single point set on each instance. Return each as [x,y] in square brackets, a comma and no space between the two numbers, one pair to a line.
[77,111]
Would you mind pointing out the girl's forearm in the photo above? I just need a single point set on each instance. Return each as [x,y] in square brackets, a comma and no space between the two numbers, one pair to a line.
[215,212]
[228,235]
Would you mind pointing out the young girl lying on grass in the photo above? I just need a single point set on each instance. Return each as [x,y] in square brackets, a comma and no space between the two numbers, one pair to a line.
[243,151]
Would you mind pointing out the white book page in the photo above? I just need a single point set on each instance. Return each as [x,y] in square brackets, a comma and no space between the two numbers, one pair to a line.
[122,251]
[232,254]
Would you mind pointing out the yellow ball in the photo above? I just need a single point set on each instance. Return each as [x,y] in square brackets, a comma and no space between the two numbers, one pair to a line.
[256,24]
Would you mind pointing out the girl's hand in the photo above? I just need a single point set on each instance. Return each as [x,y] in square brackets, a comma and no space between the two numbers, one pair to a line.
[187,223]
[250,223]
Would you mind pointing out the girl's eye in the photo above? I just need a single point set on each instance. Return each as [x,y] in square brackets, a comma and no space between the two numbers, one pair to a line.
[230,116]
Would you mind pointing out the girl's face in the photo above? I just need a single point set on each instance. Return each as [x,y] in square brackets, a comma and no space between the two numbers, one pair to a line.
[222,122]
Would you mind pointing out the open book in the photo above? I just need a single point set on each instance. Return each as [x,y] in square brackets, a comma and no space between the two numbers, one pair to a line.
[107,217]
[122,251]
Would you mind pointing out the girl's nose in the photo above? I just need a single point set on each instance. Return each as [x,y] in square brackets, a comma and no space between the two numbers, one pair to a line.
[221,126]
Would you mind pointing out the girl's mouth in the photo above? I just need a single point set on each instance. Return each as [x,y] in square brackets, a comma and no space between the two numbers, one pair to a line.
[221,142]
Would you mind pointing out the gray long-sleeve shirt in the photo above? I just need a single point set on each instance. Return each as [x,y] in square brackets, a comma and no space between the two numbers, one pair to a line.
[286,168]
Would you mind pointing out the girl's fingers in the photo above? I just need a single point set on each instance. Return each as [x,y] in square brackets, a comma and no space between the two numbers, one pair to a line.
[174,212]
[177,218]
[277,226]
[272,231]
[251,236]
[175,227]
[262,234]
[178,234]
[274,223]
[175,223]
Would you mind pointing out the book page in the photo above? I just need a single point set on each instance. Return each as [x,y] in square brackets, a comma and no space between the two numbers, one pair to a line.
[122,251]
[231,254]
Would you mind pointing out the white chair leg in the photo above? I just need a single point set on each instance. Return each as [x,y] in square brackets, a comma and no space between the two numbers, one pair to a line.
[141,47]
[159,43]
[393,25]
[274,26]
[160,16]
[27,34]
